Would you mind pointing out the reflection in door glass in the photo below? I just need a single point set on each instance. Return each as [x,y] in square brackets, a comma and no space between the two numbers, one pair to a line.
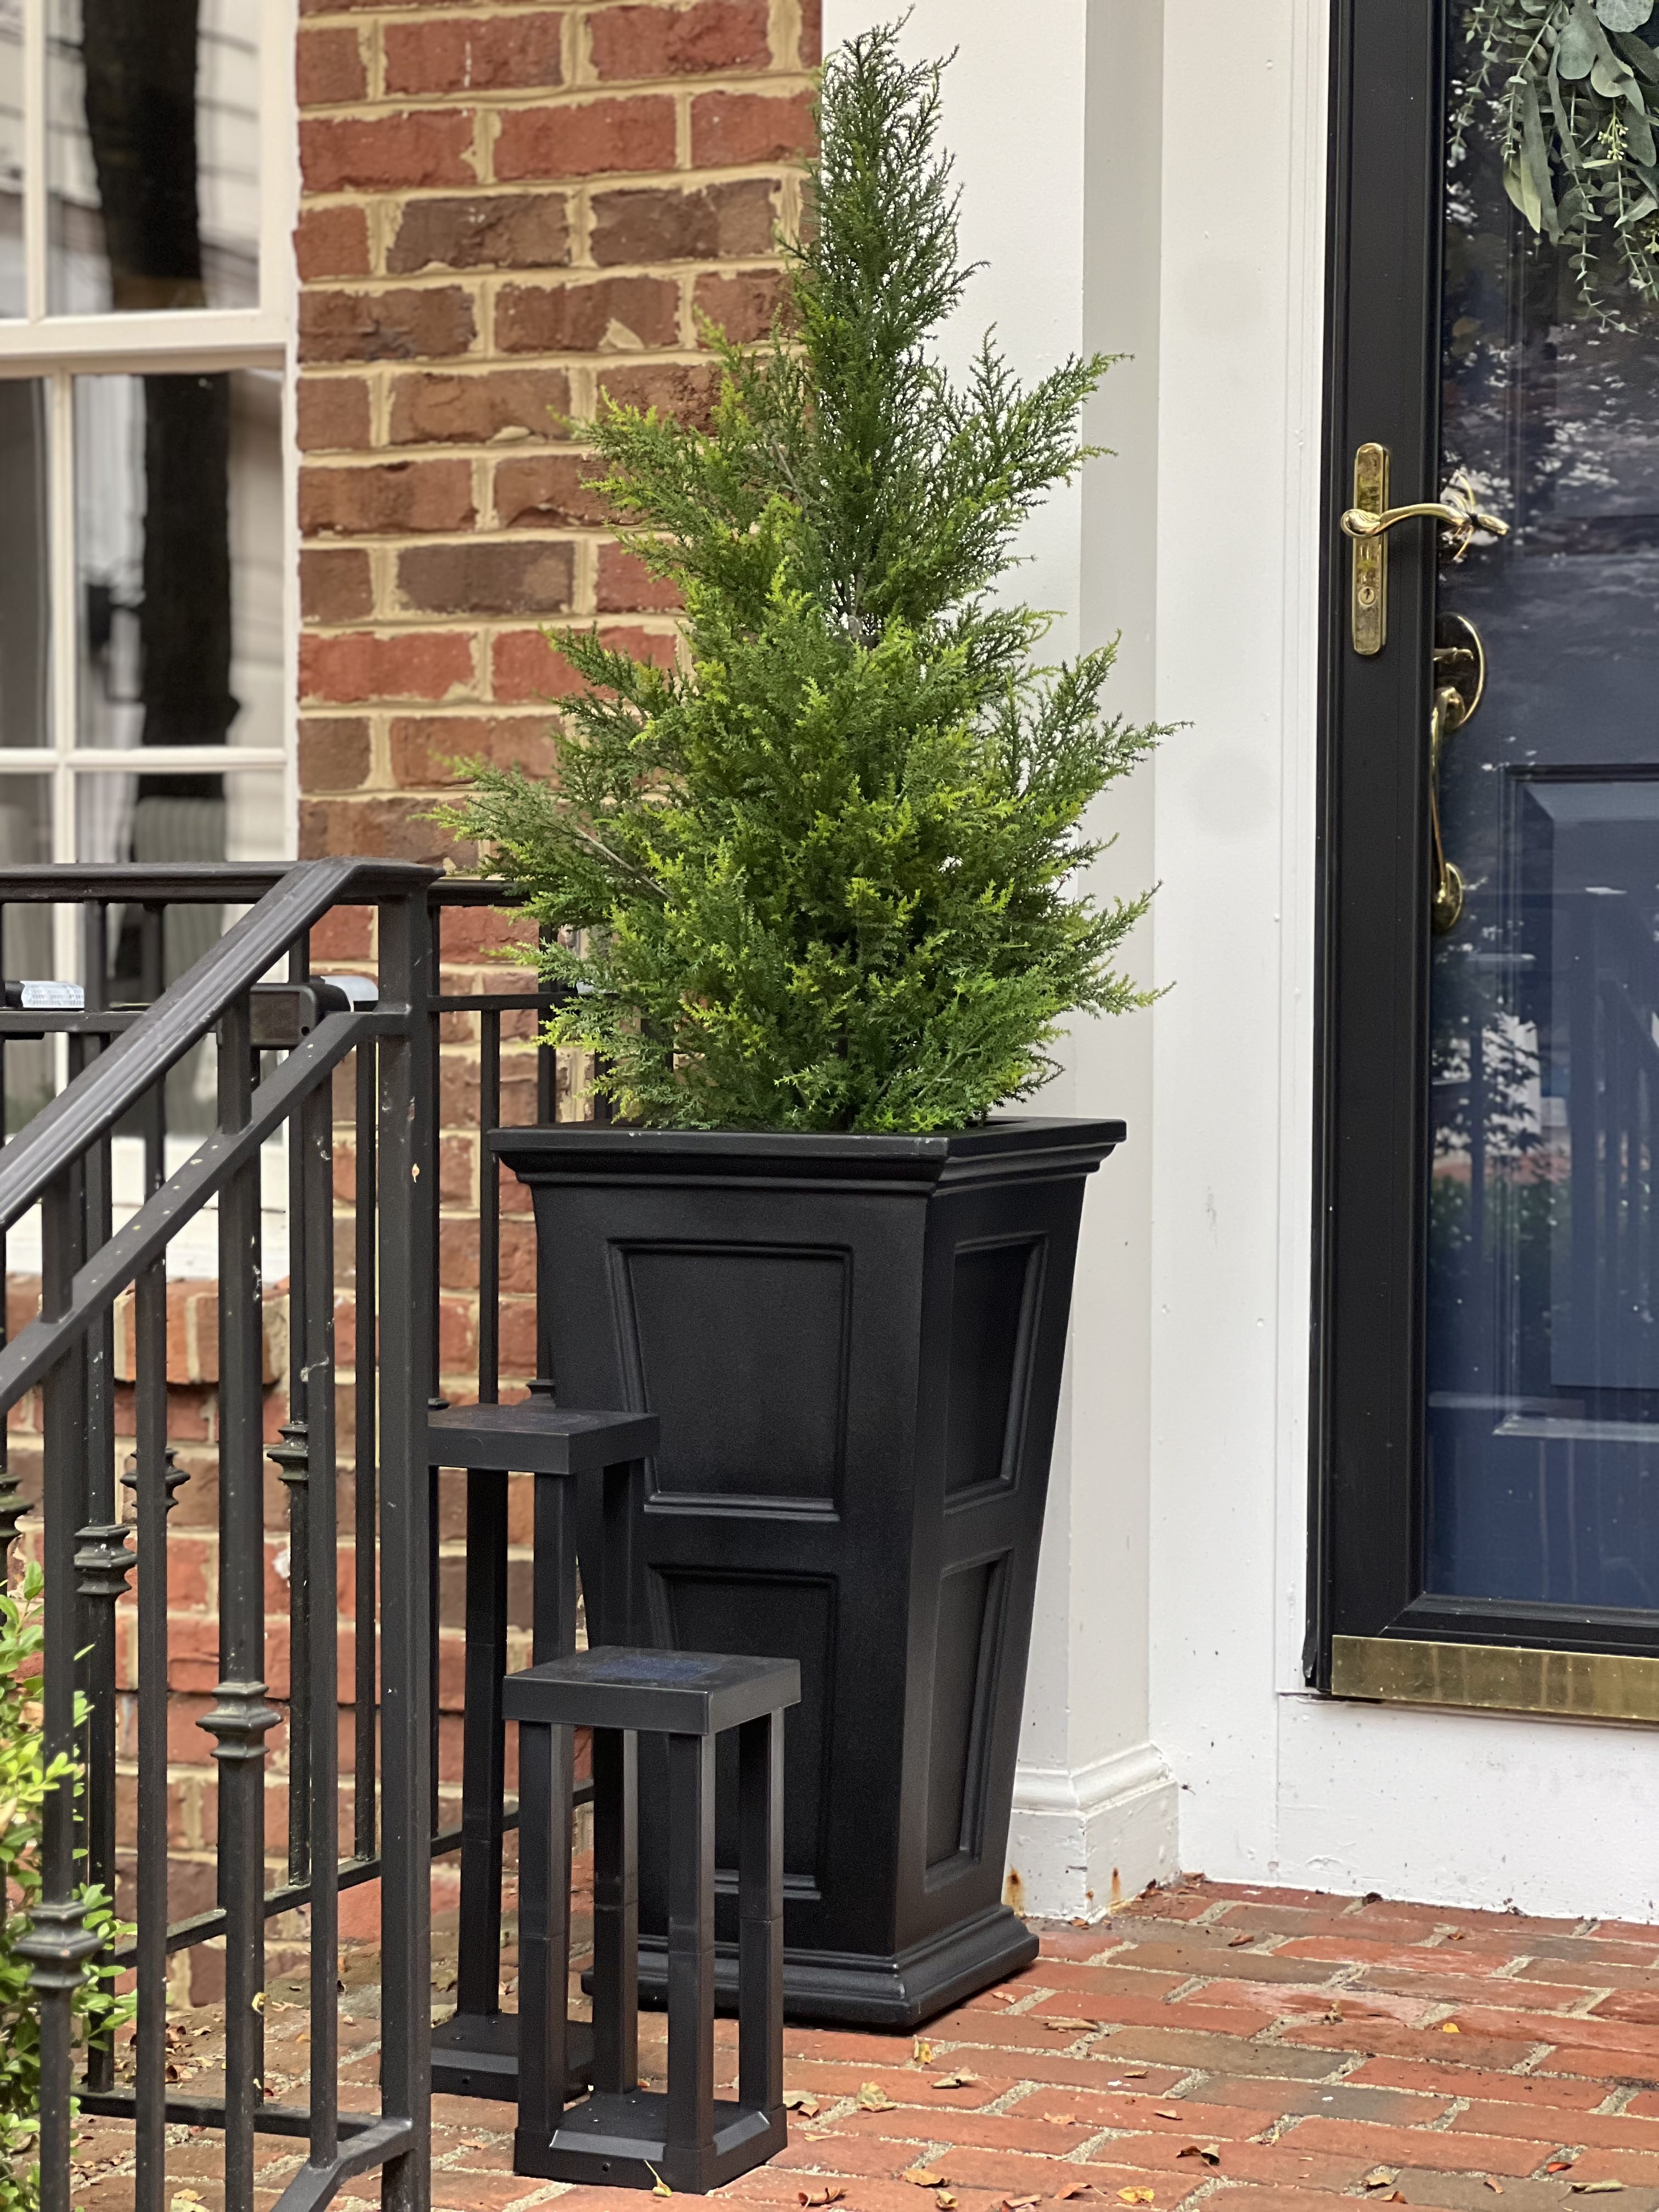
[1543,1219]
[153,154]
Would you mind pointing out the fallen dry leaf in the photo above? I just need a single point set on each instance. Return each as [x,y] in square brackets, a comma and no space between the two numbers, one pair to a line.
[1060,2119]
[1020,2203]
[1496,2187]
[923,2177]
[1134,2073]
[1450,2028]
[1380,2177]
[945,2201]
[1594,2188]
[1557,2165]
[797,2100]
[1165,2112]
[1134,2196]
[1078,2189]
[922,2053]
[955,2080]
[1234,1941]
[1067,2023]
[831,2193]
[1207,2152]
[874,2099]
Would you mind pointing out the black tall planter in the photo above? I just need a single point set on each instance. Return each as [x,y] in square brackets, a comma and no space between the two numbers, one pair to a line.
[854,1345]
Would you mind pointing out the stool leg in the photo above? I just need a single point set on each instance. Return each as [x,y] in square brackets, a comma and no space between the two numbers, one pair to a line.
[691,2132]
[553,1575]
[616,1910]
[544,1786]
[477,1985]
[760,1913]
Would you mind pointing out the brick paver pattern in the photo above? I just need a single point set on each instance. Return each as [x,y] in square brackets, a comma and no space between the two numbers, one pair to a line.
[1252,2049]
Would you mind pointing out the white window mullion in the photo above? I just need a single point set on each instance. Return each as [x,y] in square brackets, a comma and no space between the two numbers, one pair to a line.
[64,604]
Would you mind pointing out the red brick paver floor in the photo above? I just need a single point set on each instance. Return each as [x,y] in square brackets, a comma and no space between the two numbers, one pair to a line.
[1251,2049]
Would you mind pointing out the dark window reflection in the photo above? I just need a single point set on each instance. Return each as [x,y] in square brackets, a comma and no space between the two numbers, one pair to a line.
[25,643]
[154,155]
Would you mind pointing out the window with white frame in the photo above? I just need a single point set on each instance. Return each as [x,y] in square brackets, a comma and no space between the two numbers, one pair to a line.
[145,553]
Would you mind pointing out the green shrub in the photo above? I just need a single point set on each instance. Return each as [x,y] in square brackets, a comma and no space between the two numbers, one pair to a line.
[24,1783]
[825,878]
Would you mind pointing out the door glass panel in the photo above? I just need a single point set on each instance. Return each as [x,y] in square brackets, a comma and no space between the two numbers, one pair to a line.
[25,644]
[12,300]
[153,155]
[1543,1219]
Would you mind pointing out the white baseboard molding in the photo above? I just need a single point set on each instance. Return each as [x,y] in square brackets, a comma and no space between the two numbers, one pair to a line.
[1081,1842]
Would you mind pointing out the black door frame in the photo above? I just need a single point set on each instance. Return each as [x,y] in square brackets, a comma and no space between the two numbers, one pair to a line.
[1383,273]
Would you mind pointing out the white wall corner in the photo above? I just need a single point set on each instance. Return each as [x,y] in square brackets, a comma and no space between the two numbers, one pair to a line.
[1080,1843]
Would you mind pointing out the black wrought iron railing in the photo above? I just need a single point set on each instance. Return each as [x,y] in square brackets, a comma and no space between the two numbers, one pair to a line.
[279,1038]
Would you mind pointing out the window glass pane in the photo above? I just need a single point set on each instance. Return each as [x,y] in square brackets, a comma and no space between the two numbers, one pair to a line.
[154,154]
[25,937]
[11,157]
[179,543]
[25,690]
[240,814]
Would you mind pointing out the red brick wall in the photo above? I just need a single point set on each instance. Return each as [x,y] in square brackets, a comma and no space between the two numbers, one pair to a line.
[504,209]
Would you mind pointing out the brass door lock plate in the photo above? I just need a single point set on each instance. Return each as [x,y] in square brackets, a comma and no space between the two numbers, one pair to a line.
[1369,584]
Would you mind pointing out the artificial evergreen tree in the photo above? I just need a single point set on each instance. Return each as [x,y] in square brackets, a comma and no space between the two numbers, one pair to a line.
[824,875]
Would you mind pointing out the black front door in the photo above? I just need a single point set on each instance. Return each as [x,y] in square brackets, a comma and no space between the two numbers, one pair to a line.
[1488,1472]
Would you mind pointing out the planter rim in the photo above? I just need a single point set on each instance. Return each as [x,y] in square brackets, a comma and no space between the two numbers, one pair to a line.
[1038,1145]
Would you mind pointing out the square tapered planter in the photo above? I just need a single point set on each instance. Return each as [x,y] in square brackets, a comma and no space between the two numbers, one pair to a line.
[853,1343]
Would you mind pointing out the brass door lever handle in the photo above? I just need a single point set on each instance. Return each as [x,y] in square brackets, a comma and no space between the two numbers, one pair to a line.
[1456,509]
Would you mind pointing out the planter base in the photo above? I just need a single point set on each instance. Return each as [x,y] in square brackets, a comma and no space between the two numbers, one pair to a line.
[850,1989]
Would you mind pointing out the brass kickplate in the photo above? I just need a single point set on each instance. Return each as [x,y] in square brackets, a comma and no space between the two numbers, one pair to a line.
[1369,584]
[1599,1685]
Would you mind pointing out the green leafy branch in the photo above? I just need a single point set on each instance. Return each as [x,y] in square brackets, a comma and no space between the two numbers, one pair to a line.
[1573,93]
[26,1778]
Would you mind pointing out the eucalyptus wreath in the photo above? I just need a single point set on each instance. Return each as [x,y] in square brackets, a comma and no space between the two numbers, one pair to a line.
[1575,88]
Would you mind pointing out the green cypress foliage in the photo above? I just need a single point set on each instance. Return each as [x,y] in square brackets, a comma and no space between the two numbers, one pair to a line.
[825,876]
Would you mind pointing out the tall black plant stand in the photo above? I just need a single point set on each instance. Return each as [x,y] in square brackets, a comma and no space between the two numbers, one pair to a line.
[623,2135]
[476,2053]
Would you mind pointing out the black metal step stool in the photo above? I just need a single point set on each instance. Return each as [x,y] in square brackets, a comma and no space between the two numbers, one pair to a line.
[624,2136]
[476,2053]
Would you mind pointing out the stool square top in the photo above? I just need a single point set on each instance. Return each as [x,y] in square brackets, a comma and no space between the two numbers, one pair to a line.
[538,1437]
[659,1692]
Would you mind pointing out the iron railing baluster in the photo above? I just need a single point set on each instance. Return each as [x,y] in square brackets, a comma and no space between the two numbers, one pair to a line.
[407,1157]
[365,1482]
[101,1559]
[319,1653]
[154,1479]
[58,1943]
[240,1715]
[292,1460]
[477,1980]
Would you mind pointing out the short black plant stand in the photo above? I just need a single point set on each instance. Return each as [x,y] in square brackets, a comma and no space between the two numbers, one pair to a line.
[622,2134]
[476,2053]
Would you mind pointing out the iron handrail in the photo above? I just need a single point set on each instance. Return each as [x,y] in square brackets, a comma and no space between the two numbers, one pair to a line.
[91,1105]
